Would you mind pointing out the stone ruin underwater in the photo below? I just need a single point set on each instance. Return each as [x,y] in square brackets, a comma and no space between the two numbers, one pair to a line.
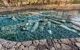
[35,26]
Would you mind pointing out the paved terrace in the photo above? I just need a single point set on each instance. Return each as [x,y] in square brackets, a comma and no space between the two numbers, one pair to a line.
[42,7]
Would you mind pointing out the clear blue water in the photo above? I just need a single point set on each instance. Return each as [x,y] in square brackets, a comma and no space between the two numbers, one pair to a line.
[24,27]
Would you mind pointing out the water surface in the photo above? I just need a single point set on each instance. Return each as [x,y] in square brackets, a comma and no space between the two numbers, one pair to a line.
[35,25]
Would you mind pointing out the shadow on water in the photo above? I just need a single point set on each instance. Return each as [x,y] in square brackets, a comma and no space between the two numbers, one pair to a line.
[35,27]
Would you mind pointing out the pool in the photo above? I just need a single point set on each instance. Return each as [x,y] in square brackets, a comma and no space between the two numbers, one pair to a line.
[35,26]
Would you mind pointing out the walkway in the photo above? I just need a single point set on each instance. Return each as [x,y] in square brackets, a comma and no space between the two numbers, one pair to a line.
[62,44]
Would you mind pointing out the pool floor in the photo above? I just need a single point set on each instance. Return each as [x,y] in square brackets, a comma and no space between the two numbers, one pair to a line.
[24,27]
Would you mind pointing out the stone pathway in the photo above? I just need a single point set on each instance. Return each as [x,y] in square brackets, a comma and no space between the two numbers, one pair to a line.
[41,7]
[62,44]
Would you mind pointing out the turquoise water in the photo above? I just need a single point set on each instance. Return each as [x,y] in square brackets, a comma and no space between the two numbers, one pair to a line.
[24,27]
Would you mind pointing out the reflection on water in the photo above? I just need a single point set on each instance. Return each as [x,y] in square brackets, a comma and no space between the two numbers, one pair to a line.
[34,26]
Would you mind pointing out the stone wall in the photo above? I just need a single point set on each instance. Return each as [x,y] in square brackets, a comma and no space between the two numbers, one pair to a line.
[62,44]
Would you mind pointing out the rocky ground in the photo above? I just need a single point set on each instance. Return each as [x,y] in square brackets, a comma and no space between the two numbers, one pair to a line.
[62,44]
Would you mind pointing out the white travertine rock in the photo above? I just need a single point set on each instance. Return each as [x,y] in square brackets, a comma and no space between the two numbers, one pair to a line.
[65,47]
[31,48]
[45,49]
[52,48]
[57,46]
[65,41]
[3,41]
[27,43]
[36,42]
[6,45]
[12,44]
[26,48]
[18,44]
[78,39]
[42,42]
[55,41]
[0,46]
[77,44]
[21,47]
[12,49]
[73,40]
[63,44]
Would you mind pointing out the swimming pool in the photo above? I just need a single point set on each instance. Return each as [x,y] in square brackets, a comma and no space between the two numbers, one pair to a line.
[35,26]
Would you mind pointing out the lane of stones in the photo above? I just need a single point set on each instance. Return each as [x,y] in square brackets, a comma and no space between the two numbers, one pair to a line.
[56,44]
